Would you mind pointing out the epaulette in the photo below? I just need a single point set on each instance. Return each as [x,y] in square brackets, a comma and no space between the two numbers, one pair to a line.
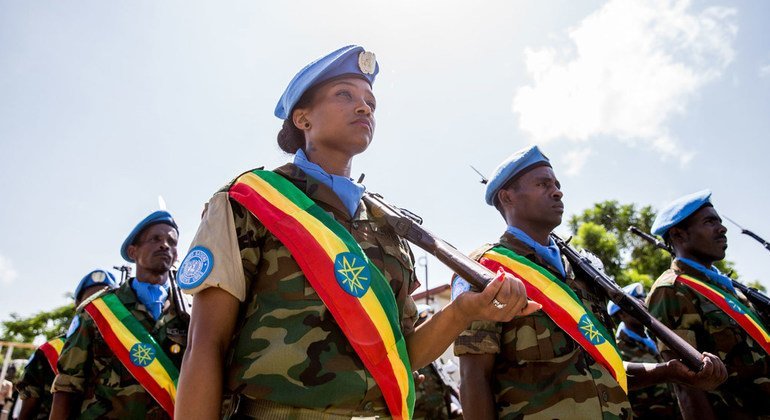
[667,279]
[92,298]
[477,253]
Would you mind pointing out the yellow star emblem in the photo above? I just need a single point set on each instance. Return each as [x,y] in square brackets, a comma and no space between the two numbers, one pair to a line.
[142,355]
[590,332]
[352,274]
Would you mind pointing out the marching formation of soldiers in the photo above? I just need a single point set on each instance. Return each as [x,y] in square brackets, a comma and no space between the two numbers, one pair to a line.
[302,303]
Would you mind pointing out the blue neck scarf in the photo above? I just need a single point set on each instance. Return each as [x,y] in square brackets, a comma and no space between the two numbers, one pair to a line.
[712,273]
[646,340]
[349,192]
[550,253]
[152,296]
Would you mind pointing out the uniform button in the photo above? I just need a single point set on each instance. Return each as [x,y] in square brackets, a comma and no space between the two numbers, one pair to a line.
[368,406]
[355,225]
[605,396]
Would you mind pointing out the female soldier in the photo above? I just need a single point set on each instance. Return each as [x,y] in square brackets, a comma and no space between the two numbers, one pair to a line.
[302,294]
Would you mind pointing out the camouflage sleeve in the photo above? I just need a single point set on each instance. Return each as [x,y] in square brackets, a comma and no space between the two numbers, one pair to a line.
[214,259]
[76,358]
[673,308]
[481,337]
[36,373]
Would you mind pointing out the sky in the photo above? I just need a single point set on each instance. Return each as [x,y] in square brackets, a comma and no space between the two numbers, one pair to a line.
[105,106]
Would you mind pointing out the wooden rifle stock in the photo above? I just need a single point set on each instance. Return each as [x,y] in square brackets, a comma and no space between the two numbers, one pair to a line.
[408,226]
[690,356]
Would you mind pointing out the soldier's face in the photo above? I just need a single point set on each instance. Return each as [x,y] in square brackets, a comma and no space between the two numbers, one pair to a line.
[341,117]
[705,237]
[536,198]
[155,250]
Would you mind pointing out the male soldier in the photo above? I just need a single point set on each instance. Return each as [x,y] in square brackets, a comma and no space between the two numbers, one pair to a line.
[700,304]
[634,345]
[35,385]
[124,357]
[558,362]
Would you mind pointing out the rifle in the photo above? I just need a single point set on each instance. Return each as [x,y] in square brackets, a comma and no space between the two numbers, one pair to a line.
[180,303]
[757,298]
[631,306]
[750,233]
[408,225]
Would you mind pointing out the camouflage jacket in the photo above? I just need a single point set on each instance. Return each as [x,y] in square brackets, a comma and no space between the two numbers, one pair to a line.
[657,401]
[539,370]
[700,322]
[36,383]
[287,347]
[88,368]
[432,396]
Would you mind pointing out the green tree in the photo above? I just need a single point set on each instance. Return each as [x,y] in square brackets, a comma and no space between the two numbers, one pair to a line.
[46,323]
[603,230]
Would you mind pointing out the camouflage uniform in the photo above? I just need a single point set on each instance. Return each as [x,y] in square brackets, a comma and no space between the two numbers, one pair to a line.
[288,351]
[657,401]
[36,383]
[88,368]
[703,325]
[539,370]
[431,396]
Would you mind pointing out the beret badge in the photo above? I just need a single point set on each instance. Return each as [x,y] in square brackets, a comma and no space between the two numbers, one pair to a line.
[367,62]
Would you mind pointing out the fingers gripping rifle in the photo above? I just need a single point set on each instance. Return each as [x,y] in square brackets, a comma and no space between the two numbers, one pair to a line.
[757,298]
[690,356]
[408,226]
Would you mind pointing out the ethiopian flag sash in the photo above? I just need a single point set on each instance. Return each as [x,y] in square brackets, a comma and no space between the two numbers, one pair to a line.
[136,349]
[563,306]
[730,305]
[52,350]
[352,288]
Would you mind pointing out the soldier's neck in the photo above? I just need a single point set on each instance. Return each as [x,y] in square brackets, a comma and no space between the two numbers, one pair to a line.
[706,262]
[146,276]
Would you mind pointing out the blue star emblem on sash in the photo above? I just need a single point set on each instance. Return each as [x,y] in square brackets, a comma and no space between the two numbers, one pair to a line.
[589,330]
[141,354]
[352,273]
[734,306]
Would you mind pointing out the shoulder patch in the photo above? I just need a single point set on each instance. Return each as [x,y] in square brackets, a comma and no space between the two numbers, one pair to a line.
[197,265]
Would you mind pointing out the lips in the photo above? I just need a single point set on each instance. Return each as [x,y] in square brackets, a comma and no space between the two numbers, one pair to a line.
[363,122]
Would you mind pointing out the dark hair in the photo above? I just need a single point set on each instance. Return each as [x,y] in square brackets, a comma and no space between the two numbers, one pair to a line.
[291,138]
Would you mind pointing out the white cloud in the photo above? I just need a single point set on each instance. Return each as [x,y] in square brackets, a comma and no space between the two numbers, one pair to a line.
[764,71]
[7,273]
[574,160]
[629,68]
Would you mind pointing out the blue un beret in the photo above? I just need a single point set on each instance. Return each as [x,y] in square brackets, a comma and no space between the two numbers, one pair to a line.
[634,289]
[352,60]
[96,277]
[678,210]
[516,164]
[160,216]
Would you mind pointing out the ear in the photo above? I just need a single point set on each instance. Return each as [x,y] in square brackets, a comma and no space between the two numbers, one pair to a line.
[504,197]
[678,235]
[299,118]
[131,251]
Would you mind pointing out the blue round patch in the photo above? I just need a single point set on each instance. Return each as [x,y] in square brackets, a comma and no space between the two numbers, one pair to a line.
[589,330]
[195,268]
[141,354]
[352,273]
[734,306]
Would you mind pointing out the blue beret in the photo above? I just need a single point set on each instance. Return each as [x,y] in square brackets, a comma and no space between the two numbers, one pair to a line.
[516,164]
[94,278]
[352,60]
[160,216]
[678,210]
[634,289]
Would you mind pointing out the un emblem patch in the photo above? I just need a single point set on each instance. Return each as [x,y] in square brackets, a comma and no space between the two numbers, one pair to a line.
[141,354]
[195,268]
[734,306]
[589,330]
[352,273]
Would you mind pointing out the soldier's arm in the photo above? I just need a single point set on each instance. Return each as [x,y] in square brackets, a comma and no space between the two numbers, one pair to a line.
[692,402]
[199,394]
[642,375]
[74,366]
[476,394]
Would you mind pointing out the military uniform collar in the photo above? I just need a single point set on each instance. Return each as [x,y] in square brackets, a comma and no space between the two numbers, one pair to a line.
[514,244]
[681,267]
[319,192]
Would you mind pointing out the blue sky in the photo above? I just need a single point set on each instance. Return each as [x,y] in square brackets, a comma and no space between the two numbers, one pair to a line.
[105,106]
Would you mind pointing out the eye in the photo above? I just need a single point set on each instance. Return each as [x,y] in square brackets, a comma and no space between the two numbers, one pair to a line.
[371,104]
[344,94]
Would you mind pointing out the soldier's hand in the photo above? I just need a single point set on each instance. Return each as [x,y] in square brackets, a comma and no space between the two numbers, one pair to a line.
[711,376]
[501,300]
[418,377]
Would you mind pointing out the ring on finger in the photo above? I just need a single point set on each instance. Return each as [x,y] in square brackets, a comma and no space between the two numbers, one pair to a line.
[498,304]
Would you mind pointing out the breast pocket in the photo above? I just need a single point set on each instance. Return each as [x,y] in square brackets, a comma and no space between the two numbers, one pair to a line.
[535,338]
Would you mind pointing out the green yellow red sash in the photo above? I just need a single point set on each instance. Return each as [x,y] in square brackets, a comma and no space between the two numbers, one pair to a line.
[730,305]
[136,349]
[352,288]
[563,306]
[52,350]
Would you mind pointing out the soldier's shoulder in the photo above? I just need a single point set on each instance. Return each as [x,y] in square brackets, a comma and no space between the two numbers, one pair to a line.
[666,279]
[477,253]
[226,187]
[98,295]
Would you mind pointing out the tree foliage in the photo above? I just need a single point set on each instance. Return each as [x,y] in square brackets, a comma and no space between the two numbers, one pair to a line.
[45,323]
[603,230]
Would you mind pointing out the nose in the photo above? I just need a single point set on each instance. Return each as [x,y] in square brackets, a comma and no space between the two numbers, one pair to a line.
[557,194]
[363,108]
[722,229]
